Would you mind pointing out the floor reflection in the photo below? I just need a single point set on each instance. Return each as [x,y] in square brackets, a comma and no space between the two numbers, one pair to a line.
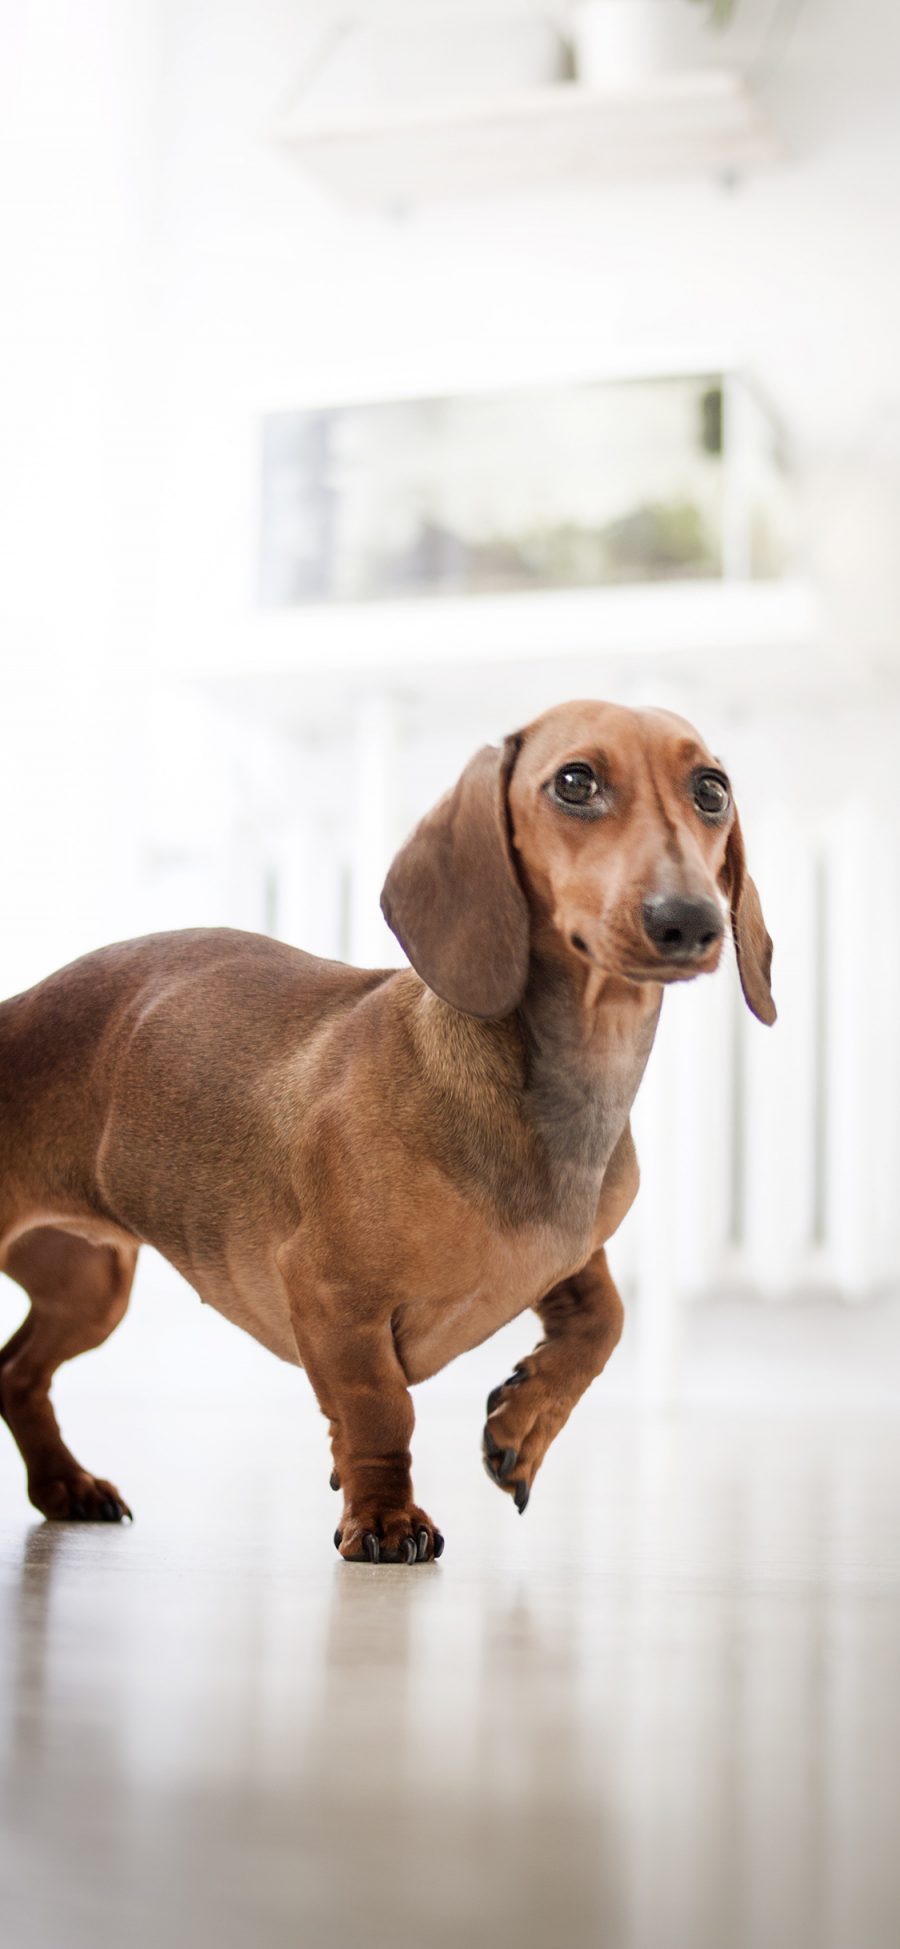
[668,1714]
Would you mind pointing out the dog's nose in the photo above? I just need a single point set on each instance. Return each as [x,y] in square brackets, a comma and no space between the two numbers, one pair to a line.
[681,928]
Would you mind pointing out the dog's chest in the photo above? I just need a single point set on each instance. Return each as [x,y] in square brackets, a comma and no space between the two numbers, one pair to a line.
[487,1263]
[479,1280]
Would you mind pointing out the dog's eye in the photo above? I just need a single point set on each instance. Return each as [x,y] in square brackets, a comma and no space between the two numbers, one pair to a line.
[711,794]
[576,785]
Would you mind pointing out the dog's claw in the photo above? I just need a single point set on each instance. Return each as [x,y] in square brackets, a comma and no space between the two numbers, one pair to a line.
[372,1547]
[334,1480]
[515,1379]
[338,1538]
[438,1544]
[508,1457]
[77,1512]
[112,1511]
[409,1549]
[422,1545]
[521,1497]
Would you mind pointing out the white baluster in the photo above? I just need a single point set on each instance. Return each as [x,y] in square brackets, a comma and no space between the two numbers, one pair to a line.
[658,1323]
[853,1130]
[374,760]
[777,1131]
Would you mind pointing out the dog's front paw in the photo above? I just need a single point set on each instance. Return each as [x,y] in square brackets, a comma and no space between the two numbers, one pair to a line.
[370,1535]
[522,1421]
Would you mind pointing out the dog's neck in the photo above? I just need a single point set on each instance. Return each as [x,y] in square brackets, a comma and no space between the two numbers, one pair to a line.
[587,1037]
[533,1106]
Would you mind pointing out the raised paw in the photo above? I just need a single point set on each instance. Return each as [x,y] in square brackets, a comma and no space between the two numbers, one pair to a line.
[500,1464]
[388,1536]
[524,1416]
[78,1498]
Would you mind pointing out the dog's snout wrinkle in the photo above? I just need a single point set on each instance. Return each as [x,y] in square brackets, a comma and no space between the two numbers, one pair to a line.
[672,840]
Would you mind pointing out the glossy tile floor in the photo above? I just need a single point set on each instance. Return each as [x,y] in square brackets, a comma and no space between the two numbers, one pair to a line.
[662,1709]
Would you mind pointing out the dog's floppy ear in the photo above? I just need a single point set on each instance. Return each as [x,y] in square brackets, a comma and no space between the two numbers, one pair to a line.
[453,899]
[752,943]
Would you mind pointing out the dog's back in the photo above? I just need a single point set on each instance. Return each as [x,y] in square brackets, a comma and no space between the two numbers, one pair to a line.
[65,1042]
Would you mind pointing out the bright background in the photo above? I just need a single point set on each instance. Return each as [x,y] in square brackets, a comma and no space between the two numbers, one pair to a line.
[173,754]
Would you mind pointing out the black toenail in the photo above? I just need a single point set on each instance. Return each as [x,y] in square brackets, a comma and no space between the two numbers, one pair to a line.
[372,1547]
[334,1479]
[508,1462]
[522,1494]
[338,1538]
[422,1550]
[438,1543]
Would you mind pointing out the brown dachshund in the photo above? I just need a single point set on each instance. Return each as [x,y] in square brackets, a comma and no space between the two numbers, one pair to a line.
[372,1171]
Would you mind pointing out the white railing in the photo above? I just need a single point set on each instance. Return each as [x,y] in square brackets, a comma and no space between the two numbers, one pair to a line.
[771,1158]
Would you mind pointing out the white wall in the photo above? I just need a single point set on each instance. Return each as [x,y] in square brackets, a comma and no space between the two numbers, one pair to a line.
[167,276]
[276,295]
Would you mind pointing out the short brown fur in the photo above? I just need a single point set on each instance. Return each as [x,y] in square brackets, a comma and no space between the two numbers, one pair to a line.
[371,1171]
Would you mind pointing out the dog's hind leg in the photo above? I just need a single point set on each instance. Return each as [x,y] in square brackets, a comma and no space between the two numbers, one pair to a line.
[79,1293]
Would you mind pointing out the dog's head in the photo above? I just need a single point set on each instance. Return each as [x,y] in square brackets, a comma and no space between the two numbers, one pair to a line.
[608,836]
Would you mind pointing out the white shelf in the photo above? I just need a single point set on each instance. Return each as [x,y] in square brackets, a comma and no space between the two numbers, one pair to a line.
[308,667]
[691,124]
[661,618]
